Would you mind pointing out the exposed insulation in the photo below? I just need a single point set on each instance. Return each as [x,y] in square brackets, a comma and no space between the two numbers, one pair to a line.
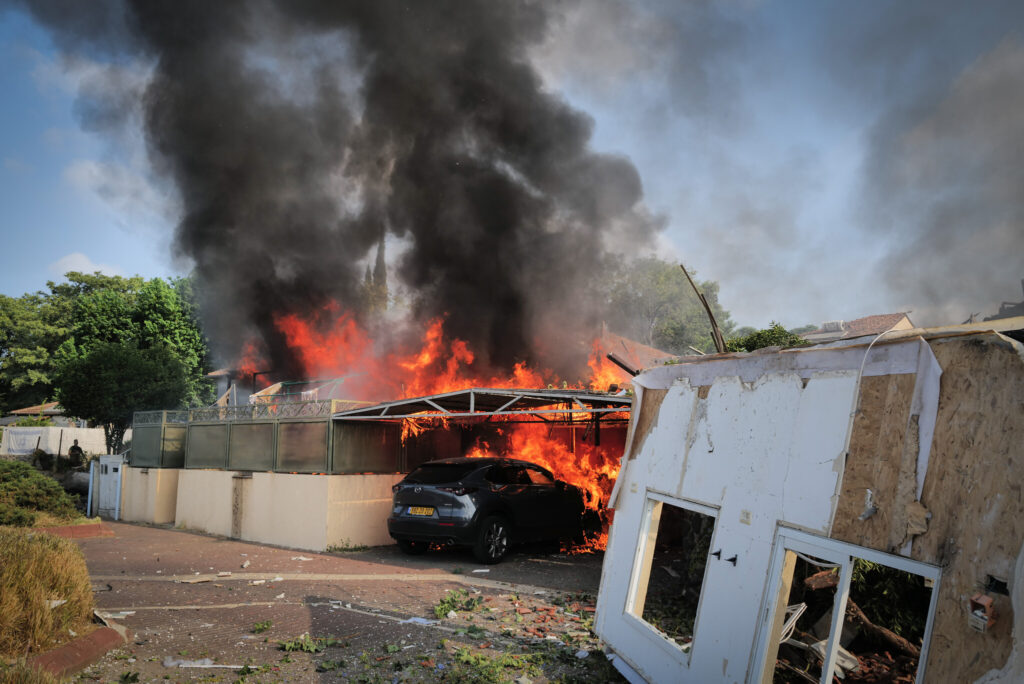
[876,461]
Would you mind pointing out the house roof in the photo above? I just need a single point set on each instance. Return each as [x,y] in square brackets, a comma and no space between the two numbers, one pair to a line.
[634,353]
[859,327]
[48,409]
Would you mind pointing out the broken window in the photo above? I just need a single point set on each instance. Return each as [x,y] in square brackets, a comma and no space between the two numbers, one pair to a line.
[670,573]
[885,605]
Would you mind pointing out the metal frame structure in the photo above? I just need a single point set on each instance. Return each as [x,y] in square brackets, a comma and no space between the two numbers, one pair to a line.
[533,405]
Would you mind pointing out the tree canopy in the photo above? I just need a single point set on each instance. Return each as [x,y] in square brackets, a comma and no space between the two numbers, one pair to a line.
[41,331]
[114,379]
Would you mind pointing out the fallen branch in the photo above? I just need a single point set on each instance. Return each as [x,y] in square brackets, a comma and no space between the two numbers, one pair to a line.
[879,633]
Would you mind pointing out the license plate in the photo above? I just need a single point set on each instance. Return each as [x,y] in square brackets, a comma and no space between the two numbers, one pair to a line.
[421,510]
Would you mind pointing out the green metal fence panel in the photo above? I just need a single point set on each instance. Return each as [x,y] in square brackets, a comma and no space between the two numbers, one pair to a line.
[207,446]
[251,446]
[302,447]
[366,447]
[173,446]
[146,446]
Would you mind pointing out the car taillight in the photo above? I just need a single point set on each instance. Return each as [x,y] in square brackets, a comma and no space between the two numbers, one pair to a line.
[458,491]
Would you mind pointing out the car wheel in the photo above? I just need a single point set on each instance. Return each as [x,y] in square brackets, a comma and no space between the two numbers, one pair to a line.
[492,540]
[412,548]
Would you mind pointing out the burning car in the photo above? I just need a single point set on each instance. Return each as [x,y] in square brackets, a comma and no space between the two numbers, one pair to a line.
[485,503]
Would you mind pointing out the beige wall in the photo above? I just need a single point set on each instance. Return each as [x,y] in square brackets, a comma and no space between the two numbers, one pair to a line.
[204,501]
[149,495]
[285,509]
[299,511]
[358,507]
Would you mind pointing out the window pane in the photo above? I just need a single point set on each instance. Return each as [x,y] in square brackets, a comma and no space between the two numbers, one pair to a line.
[886,614]
[673,572]
[440,473]
[802,630]
[538,477]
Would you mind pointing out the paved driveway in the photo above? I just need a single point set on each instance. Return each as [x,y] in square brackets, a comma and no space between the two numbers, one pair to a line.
[201,600]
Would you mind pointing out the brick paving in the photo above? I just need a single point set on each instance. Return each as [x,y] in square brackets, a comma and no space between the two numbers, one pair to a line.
[533,606]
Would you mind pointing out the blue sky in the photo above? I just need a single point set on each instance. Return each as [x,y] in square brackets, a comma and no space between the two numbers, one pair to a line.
[819,161]
[52,218]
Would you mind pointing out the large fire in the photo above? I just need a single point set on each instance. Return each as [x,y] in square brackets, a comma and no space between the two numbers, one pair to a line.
[332,345]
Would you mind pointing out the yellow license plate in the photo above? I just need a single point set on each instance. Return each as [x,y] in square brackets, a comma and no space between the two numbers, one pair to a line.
[421,510]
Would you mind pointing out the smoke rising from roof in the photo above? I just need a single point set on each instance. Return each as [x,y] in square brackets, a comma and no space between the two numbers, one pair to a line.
[297,133]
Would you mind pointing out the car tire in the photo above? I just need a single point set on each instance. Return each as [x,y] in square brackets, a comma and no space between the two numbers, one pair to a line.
[492,540]
[412,548]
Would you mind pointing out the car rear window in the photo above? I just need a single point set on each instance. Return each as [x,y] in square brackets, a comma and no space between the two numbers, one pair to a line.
[439,473]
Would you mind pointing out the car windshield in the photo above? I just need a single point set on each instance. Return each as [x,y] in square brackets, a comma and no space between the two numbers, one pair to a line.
[439,473]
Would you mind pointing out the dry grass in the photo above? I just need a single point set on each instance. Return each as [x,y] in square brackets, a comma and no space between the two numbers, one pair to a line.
[20,673]
[45,519]
[34,570]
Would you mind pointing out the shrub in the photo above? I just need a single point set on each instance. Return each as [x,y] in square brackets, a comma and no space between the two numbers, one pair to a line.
[16,517]
[21,486]
[35,570]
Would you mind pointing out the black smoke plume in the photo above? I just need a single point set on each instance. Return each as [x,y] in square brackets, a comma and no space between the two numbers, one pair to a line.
[296,132]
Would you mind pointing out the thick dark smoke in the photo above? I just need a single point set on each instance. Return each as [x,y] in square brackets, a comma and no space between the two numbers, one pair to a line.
[297,132]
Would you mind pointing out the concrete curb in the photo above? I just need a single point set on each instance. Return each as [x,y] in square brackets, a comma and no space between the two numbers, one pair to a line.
[79,653]
[78,531]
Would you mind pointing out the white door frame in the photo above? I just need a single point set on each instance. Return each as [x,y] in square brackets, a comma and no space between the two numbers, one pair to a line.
[842,554]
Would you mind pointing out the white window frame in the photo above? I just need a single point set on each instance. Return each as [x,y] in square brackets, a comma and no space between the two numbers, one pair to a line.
[843,554]
[629,614]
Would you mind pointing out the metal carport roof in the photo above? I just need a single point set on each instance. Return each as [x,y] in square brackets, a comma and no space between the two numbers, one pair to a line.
[545,404]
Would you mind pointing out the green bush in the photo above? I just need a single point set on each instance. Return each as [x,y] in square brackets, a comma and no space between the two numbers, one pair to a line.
[16,517]
[22,486]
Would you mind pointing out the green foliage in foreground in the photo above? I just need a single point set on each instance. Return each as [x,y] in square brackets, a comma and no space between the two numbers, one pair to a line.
[772,336]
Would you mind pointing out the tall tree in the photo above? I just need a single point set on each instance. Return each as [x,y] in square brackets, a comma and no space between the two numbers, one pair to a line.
[114,379]
[651,301]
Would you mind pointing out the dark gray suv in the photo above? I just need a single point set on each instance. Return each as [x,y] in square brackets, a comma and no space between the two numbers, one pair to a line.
[485,503]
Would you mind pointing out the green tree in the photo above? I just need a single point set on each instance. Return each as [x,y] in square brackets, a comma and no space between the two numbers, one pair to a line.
[41,330]
[651,301]
[772,336]
[149,313]
[114,379]
[27,343]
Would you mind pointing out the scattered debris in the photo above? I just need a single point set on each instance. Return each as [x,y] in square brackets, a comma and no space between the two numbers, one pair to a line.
[171,661]
[194,580]
[301,558]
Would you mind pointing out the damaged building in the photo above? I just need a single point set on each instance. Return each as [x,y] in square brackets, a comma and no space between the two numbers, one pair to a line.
[852,509]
